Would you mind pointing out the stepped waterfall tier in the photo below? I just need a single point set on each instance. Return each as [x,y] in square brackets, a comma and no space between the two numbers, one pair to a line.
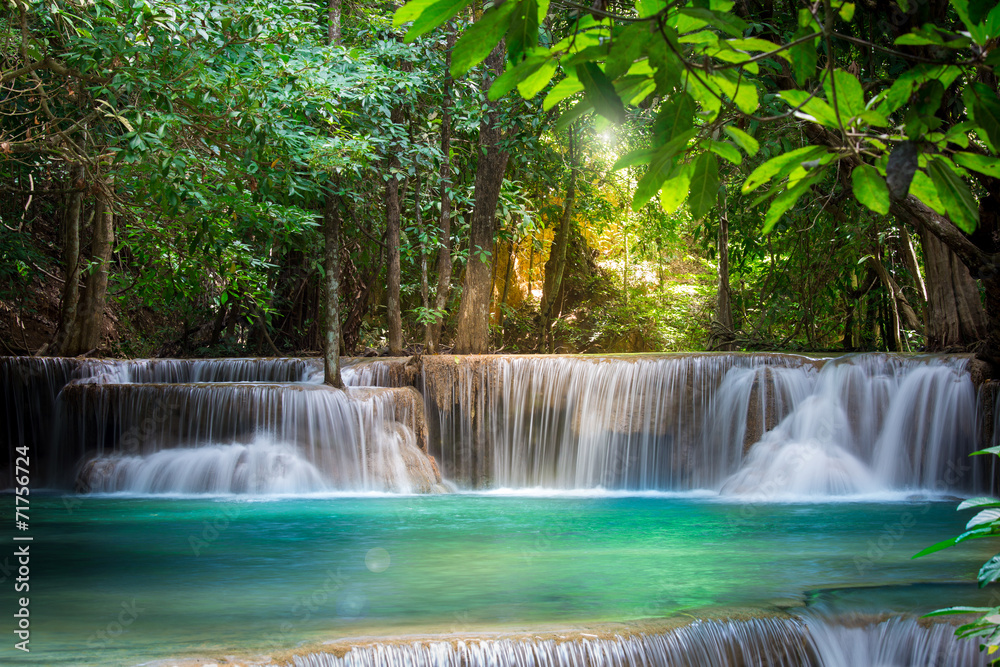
[690,509]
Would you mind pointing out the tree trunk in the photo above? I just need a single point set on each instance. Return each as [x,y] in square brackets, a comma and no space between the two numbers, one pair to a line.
[333,23]
[90,316]
[71,264]
[474,310]
[901,307]
[724,307]
[392,223]
[555,266]
[955,318]
[331,267]
[433,333]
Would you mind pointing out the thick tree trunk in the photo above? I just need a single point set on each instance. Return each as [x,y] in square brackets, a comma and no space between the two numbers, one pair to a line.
[474,311]
[90,316]
[71,264]
[955,317]
[331,267]
[392,223]
[724,306]
[555,266]
[433,333]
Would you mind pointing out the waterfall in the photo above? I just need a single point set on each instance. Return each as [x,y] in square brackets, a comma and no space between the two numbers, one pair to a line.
[212,426]
[750,425]
[771,642]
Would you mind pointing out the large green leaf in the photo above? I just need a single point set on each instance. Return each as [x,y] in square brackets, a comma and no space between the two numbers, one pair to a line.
[849,94]
[742,139]
[676,116]
[433,16]
[979,501]
[533,83]
[986,111]
[804,56]
[776,166]
[675,190]
[477,42]
[986,516]
[704,185]
[523,32]
[922,187]
[514,75]
[820,111]
[568,86]
[984,164]
[726,151]
[870,188]
[785,201]
[600,92]
[955,195]
[902,88]
[975,534]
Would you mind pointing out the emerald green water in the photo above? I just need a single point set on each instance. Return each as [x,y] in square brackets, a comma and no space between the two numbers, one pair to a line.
[124,580]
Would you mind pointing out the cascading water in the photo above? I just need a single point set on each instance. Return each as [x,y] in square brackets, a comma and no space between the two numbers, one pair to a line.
[765,642]
[215,426]
[756,425]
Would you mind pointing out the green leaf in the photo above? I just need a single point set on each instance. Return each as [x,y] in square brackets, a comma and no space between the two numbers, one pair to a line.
[870,188]
[410,11]
[570,115]
[480,38]
[958,610]
[756,44]
[660,168]
[628,45]
[704,194]
[849,94]
[726,151]
[803,56]
[978,501]
[777,165]
[988,450]
[647,8]
[901,90]
[846,11]
[986,111]
[955,195]
[568,86]
[433,16]
[532,84]
[990,571]
[675,190]
[812,107]
[510,79]
[922,187]
[975,534]
[600,92]
[749,145]
[984,164]
[676,116]
[633,158]
[986,516]
[523,32]
[785,201]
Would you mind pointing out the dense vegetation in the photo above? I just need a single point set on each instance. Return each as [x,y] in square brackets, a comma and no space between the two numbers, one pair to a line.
[187,178]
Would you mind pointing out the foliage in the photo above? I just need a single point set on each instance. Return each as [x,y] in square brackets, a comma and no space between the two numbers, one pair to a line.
[986,523]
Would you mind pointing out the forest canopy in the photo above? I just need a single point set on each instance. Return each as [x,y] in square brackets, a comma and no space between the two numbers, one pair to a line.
[246,177]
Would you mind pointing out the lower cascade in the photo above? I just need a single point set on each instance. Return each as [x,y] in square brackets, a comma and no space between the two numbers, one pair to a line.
[767,642]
